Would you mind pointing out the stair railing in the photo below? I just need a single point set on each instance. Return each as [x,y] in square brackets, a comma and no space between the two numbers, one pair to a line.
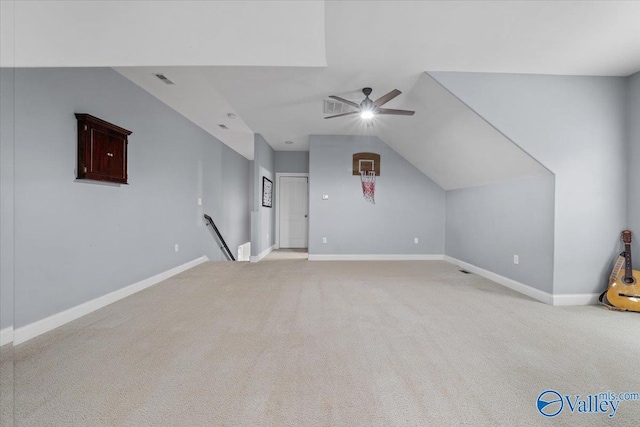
[224,246]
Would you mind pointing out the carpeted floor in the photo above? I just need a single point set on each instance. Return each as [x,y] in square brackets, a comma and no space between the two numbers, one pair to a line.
[6,385]
[290,254]
[289,342]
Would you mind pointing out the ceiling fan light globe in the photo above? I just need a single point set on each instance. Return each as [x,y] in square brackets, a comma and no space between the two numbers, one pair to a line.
[367,114]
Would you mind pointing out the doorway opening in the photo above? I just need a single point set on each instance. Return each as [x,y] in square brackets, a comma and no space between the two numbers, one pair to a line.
[292,211]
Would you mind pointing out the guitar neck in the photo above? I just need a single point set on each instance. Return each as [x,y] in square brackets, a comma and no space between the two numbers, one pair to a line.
[628,268]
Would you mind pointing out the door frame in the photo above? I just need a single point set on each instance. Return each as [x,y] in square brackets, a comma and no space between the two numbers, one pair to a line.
[295,175]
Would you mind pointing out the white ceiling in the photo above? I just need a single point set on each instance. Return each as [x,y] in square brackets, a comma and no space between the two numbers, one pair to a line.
[534,37]
[266,60]
[452,145]
[147,33]
[387,45]
[287,103]
[194,96]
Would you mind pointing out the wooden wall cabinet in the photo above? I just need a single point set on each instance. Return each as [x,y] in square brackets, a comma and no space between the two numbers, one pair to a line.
[102,150]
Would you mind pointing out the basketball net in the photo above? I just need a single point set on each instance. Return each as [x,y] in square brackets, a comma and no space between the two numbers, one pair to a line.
[368,179]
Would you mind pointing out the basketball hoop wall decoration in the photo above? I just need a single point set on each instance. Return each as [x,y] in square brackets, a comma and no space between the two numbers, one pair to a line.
[367,166]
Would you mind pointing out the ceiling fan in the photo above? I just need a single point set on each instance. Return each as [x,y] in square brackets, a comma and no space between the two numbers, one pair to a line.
[367,109]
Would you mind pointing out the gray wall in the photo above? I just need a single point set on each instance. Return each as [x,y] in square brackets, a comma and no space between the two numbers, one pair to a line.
[633,131]
[78,240]
[292,161]
[6,197]
[252,194]
[486,226]
[263,219]
[235,211]
[408,204]
[575,126]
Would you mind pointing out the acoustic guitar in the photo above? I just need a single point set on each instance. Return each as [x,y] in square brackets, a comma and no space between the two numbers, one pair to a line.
[624,291]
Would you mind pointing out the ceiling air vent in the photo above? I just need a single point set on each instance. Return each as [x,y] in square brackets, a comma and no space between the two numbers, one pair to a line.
[164,78]
[336,107]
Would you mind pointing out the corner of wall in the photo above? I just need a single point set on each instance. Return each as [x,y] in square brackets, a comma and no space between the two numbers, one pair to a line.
[262,218]
[633,156]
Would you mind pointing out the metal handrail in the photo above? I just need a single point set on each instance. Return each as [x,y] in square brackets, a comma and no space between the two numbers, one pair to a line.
[224,244]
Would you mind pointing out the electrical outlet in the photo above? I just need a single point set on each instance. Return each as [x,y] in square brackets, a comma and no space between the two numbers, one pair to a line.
[325,197]
[267,236]
[177,248]
[199,201]
[516,259]
[324,240]
[415,240]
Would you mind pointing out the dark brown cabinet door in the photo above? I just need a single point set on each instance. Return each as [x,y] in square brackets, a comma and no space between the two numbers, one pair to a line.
[102,150]
[107,154]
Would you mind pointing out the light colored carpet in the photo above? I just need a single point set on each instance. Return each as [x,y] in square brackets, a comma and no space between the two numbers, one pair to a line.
[283,254]
[6,385]
[301,343]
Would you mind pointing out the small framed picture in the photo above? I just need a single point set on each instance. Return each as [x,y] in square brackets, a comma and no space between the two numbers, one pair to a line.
[267,192]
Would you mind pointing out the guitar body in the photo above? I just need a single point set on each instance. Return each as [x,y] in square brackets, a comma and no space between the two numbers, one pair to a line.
[623,295]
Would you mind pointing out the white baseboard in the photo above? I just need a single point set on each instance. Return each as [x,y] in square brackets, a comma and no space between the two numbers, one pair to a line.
[244,252]
[32,330]
[575,299]
[376,257]
[262,254]
[6,335]
[527,290]
[545,297]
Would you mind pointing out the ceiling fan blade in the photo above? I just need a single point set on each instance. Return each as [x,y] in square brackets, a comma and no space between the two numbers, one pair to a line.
[343,114]
[396,112]
[346,101]
[386,98]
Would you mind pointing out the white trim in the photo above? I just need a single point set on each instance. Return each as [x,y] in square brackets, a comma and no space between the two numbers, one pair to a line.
[527,290]
[278,175]
[575,299]
[6,335]
[376,257]
[545,297]
[244,252]
[256,258]
[32,330]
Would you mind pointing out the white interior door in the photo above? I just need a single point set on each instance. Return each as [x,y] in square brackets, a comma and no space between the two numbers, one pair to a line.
[294,205]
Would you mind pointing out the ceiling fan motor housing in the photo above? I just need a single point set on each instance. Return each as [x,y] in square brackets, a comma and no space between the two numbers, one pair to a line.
[367,104]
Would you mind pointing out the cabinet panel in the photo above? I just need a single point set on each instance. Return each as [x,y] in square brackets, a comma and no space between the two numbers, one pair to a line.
[102,150]
[107,154]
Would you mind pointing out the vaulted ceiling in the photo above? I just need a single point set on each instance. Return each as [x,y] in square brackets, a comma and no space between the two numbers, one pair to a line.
[455,147]
[273,63]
